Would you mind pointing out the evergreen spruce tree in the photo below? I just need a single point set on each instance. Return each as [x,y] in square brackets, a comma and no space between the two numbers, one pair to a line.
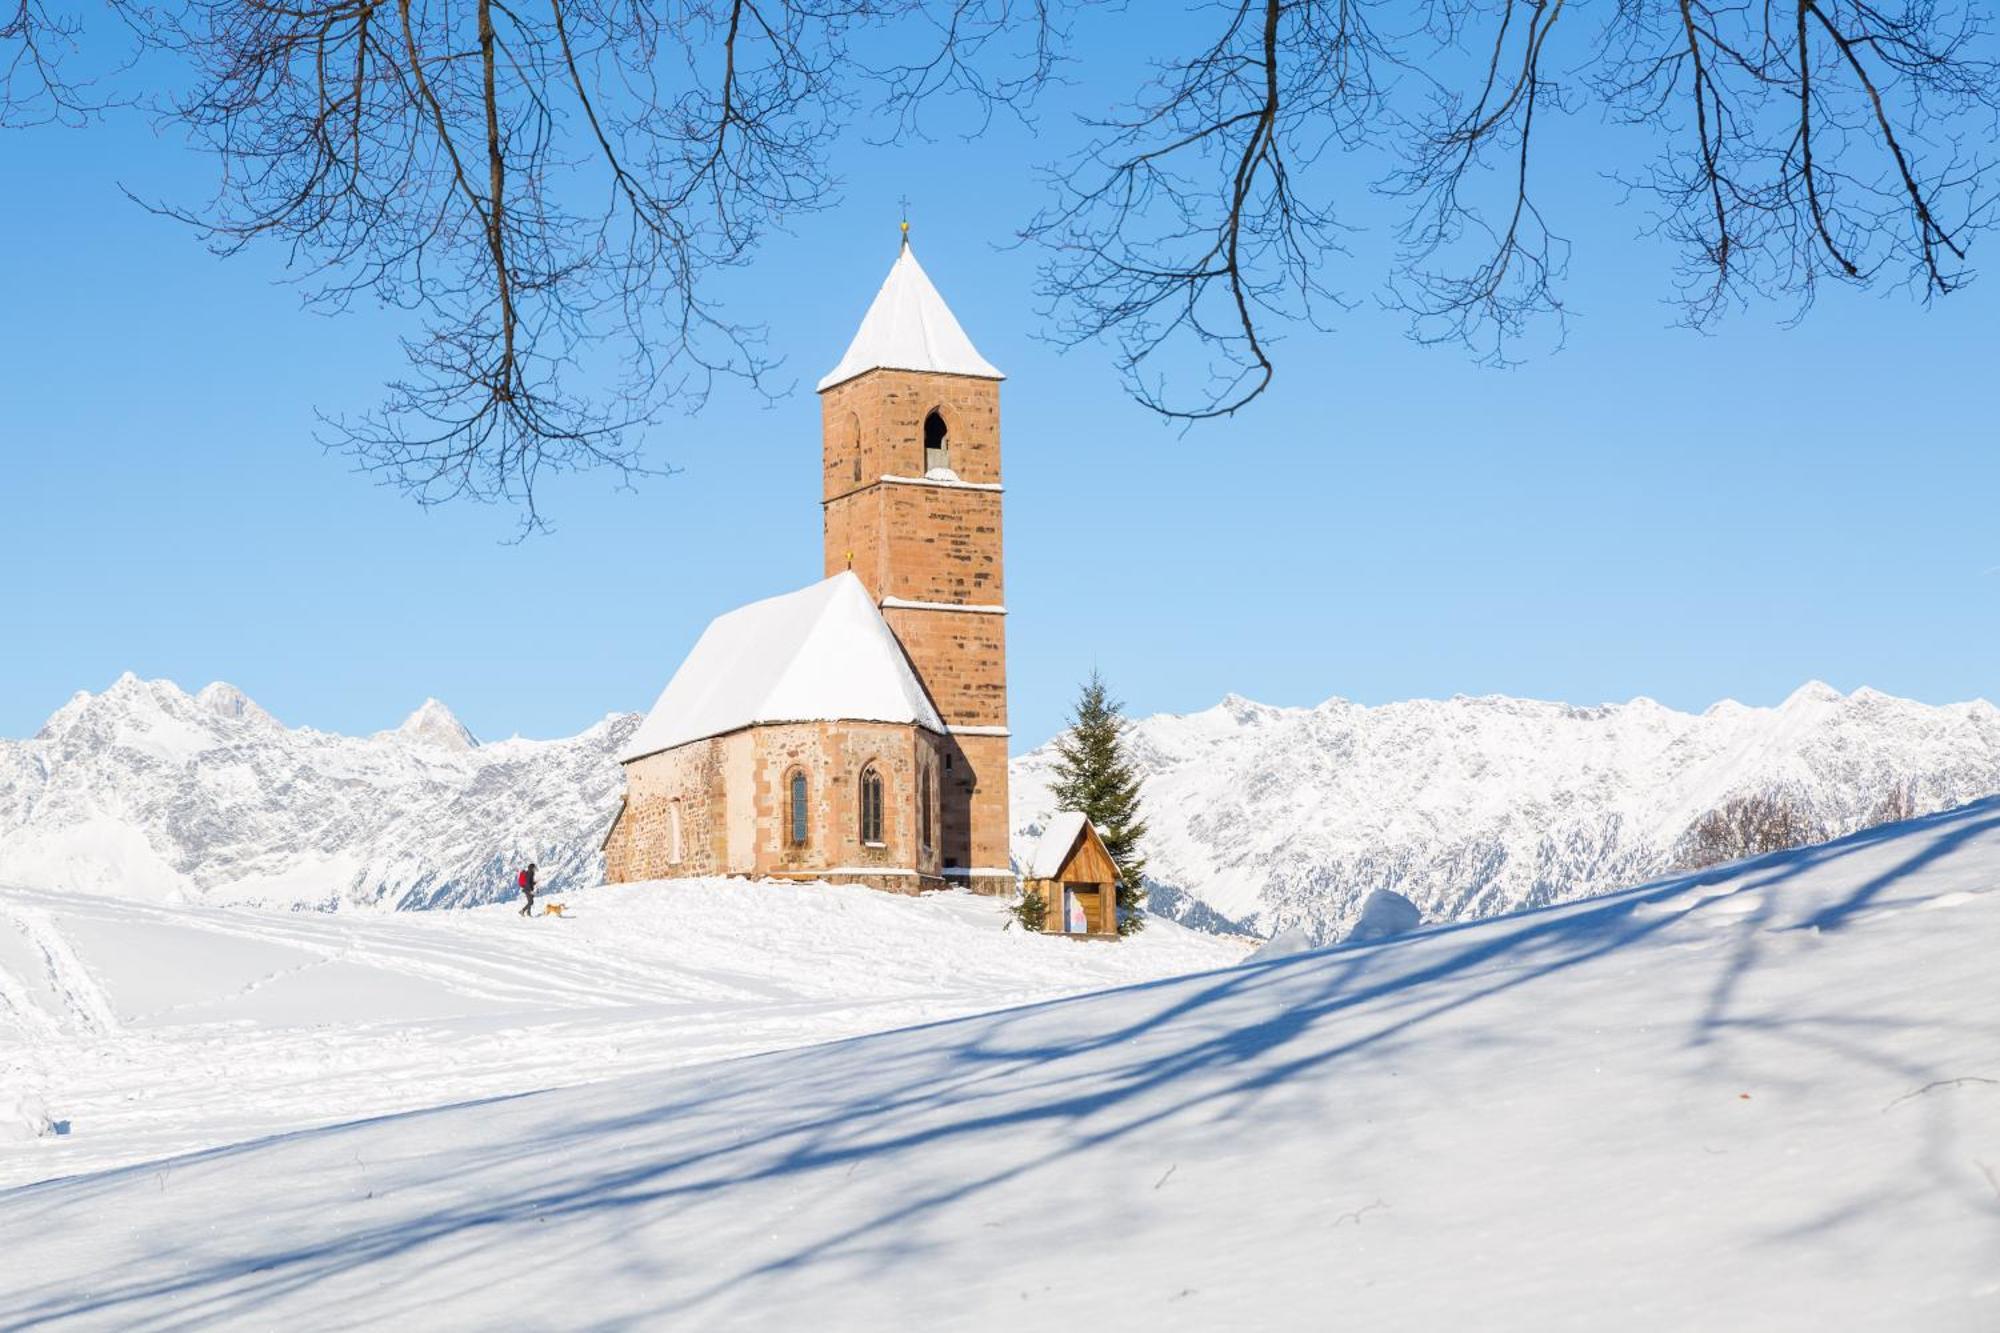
[1031,911]
[1094,775]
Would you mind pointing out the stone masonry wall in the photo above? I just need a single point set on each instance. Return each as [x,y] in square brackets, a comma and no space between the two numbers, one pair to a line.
[934,543]
[689,776]
[618,849]
[923,542]
[943,544]
[962,658]
[881,415]
[832,756]
[985,805]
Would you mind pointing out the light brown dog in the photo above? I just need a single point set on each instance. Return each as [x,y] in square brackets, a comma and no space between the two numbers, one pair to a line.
[552,909]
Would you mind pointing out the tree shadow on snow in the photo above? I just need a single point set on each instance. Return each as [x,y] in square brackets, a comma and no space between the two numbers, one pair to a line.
[542,1174]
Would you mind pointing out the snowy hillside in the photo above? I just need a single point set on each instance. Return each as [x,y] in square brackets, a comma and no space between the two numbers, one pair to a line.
[145,791]
[1282,817]
[1766,1097]
[145,1029]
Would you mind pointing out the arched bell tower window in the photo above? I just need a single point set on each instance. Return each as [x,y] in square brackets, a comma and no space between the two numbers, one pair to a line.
[937,445]
[852,442]
[871,805]
[796,825]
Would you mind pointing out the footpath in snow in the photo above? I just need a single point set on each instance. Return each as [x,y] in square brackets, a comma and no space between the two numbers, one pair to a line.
[148,1029]
[1764,1097]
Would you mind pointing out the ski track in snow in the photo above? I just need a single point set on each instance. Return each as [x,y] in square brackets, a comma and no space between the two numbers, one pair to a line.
[83,1002]
[1766,1097]
[157,1029]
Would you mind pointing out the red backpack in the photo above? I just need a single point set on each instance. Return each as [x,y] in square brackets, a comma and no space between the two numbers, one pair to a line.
[521,880]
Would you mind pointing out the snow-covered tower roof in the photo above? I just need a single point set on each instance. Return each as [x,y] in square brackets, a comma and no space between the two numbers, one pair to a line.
[822,654]
[909,327]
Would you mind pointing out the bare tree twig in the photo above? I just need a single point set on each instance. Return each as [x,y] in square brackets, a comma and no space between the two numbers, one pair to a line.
[564,285]
[1935,1084]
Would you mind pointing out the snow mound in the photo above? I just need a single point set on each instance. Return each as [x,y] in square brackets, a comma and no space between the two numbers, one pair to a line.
[1287,942]
[1763,1098]
[24,1116]
[1385,913]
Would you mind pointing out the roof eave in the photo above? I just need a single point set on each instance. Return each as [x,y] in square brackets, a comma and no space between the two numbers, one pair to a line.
[835,378]
[918,723]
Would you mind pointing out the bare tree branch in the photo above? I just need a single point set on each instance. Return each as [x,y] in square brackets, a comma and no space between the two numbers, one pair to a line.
[1183,224]
[549,186]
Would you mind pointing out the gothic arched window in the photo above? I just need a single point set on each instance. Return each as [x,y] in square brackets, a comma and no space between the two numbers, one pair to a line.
[796,785]
[852,442]
[675,849]
[871,805]
[924,807]
[937,445]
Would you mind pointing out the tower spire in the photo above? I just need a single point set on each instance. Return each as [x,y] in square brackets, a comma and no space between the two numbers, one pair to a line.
[909,327]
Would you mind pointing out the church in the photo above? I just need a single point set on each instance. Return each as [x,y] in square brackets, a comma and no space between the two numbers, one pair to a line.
[855,731]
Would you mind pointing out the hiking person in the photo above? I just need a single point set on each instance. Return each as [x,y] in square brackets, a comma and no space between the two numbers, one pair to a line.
[526,880]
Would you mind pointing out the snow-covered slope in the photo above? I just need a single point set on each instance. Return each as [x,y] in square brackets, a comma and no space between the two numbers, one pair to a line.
[144,791]
[1766,1097]
[1283,817]
[146,1029]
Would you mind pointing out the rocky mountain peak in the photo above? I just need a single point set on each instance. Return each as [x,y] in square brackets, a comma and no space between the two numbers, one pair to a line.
[434,724]
[225,700]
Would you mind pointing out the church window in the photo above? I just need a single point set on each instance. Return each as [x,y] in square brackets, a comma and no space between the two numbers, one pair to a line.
[924,807]
[937,445]
[871,805]
[797,787]
[851,441]
[674,847]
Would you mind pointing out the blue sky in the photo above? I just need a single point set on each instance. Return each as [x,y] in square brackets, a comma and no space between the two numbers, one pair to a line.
[1648,511]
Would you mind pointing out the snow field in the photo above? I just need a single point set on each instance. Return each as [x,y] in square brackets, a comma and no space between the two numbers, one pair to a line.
[155,1030]
[1765,1097]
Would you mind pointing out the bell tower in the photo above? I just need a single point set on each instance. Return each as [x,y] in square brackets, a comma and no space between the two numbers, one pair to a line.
[910,421]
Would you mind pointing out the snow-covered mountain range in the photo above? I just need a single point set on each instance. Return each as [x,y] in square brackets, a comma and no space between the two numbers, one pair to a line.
[1288,817]
[1261,818]
[146,791]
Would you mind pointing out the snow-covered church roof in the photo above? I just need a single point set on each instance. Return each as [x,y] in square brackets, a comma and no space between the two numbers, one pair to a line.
[909,327]
[822,654]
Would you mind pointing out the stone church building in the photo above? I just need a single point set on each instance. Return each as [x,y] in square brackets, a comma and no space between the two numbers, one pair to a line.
[855,730]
